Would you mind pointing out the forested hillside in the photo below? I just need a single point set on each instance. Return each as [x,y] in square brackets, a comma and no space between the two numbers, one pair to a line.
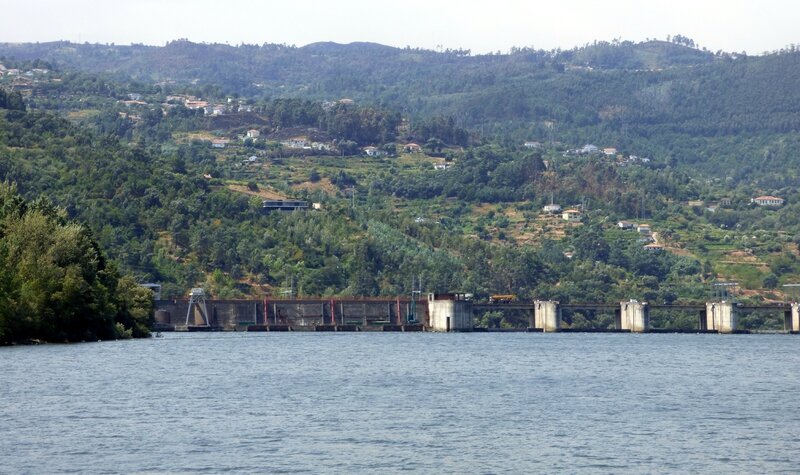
[426,166]
[667,100]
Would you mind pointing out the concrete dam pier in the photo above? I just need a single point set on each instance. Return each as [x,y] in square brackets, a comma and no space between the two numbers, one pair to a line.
[451,312]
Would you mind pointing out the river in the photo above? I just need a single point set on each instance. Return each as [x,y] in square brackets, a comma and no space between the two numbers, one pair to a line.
[392,402]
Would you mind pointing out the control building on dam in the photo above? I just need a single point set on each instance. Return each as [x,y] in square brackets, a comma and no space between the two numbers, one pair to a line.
[451,312]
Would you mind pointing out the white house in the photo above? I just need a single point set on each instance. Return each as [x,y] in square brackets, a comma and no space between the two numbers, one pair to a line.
[412,148]
[320,146]
[643,229]
[571,215]
[373,151]
[296,142]
[552,208]
[192,104]
[625,225]
[768,201]
[253,134]
[219,143]
[589,149]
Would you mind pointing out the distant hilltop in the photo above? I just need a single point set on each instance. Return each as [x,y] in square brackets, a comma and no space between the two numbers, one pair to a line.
[181,58]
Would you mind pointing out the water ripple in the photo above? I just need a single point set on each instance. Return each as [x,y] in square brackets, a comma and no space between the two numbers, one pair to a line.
[375,403]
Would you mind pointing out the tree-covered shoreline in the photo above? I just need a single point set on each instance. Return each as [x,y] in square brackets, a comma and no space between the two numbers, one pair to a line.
[55,283]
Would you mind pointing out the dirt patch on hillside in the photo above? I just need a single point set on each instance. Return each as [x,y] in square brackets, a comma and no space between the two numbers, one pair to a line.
[767,296]
[264,193]
[740,257]
[192,136]
[323,185]
[678,251]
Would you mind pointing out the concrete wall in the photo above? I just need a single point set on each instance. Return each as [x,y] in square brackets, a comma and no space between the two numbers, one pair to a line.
[447,313]
[228,314]
[795,318]
[634,316]
[546,315]
[237,314]
[721,316]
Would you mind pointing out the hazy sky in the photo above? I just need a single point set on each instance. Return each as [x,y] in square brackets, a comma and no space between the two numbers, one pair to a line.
[482,26]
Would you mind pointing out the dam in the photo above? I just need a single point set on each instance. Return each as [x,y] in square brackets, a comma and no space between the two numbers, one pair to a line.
[449,312]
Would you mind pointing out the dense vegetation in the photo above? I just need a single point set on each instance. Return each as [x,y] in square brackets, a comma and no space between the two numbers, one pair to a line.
[56,283]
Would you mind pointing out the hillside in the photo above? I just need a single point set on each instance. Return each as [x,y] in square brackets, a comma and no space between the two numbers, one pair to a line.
[664,100]
[136,160]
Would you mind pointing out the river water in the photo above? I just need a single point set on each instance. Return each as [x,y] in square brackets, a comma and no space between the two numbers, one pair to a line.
[386,403]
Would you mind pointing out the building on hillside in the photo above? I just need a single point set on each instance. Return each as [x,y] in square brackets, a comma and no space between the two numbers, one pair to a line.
[284,205]
[253,134]
[321,146]
[412,148]
[216,110]
[571,215]
[654,247]
[625,225]
[532,145]
[725,201]
[296,142]
[643,229]
[768,201]
[610,152]
[373,151]
[553,208]
[219,143]
[589,149]
[191,104]
[442,166]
